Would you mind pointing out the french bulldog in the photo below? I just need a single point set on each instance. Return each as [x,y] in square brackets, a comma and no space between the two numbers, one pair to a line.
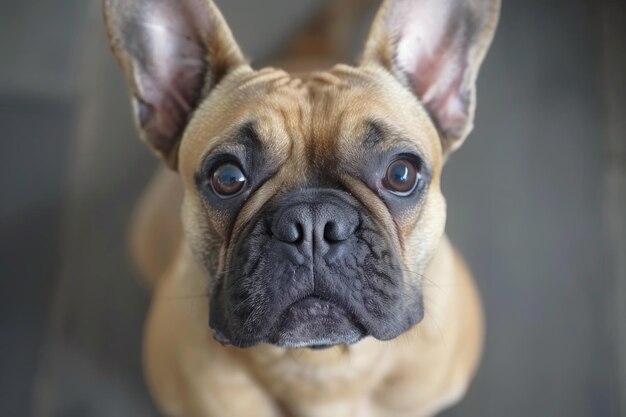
[298,255]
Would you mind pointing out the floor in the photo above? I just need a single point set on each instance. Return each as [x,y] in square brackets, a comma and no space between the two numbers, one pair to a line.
[526,205]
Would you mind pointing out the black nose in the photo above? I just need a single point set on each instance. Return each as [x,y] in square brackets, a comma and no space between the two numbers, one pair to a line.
[315,221]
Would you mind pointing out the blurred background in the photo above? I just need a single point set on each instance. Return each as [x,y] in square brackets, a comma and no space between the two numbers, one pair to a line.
[536,201]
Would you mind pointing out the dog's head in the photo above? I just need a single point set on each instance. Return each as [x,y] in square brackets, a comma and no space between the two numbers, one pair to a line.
[312,201]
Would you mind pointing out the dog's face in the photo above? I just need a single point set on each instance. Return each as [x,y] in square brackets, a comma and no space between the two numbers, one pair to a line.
[312,201]
[314,204]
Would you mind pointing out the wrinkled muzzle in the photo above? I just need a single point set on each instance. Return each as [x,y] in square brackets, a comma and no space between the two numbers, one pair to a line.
[313,269]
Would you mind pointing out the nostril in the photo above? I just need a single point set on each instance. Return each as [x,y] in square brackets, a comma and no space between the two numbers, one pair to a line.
[335,232]
[290,232]
[297,233]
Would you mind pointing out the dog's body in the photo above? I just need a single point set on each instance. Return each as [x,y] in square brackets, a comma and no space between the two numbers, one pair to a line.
[290,239]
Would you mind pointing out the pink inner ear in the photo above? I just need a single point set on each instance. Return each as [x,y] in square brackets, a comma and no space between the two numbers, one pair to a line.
[432,49]
[171,71]
[171,51]
[440,85]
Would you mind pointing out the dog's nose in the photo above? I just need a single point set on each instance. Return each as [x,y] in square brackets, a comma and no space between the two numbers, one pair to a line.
[315,224]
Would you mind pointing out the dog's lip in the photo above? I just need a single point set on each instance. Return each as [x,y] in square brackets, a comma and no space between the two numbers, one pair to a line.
[314,305]
[220,338]
[317,308]
[313,302]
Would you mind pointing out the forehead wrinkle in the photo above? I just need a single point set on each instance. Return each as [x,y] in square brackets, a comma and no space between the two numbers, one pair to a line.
[327,117]
[244,136]
[290,129]
[288,109]
[379,134]
[266,77]
[326,79]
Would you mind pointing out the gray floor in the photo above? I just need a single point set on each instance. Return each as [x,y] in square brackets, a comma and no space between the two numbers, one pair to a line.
[526,197]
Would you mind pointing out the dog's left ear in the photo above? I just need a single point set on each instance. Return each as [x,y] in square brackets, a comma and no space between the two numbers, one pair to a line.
[435,47]
[173,52]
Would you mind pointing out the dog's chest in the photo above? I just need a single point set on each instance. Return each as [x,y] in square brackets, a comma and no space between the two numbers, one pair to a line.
[306,377]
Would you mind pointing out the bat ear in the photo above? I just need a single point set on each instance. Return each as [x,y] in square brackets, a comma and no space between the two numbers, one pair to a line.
[172,53]
[435,48]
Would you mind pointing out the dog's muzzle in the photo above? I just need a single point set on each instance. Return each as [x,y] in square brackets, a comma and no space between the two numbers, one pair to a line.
[312,270]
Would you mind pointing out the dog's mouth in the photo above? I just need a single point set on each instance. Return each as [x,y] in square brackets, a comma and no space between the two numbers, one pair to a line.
[315,323]
[310,322]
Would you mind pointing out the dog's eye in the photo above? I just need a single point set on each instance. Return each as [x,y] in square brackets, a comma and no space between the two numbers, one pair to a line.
[228,180]
[402,177]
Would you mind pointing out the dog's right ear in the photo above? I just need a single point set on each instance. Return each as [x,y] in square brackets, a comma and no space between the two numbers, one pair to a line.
[172,53]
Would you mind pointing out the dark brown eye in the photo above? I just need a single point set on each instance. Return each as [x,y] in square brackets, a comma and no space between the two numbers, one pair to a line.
[401,177]
[228,179]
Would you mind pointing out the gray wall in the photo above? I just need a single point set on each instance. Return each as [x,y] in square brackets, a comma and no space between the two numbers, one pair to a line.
[527,197]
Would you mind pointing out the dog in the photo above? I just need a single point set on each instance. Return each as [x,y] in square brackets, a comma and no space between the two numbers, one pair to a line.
[298,256]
